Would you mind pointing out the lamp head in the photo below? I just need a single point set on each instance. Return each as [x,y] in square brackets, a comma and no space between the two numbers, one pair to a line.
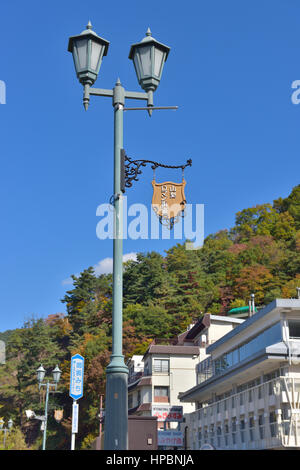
[88,50]
[56,374]
[29,414]
[40,374]
[149,57]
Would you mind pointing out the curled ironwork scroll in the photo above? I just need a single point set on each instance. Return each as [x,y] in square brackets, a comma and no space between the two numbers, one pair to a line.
[131,169]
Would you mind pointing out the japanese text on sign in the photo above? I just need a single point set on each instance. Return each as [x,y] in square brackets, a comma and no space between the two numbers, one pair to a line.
[168,413]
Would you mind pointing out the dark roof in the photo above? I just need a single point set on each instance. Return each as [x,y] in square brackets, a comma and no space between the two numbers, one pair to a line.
[202,323]
[145,381]
[162,349]
[144,407]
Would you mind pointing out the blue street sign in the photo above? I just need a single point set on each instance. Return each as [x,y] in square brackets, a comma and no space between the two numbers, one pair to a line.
[76,379]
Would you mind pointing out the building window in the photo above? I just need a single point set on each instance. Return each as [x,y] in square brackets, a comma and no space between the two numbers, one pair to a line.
[251,428]
[272,375]
[270,336]
[233,430]
[286,419]
[199,438]
[212,435]
[241,399]
[261,426]
[204,369]
[146,369]
[294,329]
[161,365]
[161,394]
[130,401]
[226,435]
[273,424]
[242,429]
[219,433]
[139,397]
[271,388]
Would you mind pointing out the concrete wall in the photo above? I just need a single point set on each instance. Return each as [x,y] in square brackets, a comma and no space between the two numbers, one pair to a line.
[142,433]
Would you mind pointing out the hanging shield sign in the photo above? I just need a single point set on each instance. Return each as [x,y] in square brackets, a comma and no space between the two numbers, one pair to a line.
[168,199]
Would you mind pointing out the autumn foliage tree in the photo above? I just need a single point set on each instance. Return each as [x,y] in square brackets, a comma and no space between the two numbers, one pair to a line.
[162,295]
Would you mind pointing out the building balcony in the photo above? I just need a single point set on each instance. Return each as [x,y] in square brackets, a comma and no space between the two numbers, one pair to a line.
[135,377]
[262,417]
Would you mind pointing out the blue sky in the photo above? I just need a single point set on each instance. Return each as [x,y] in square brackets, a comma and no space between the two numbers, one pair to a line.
[230,71]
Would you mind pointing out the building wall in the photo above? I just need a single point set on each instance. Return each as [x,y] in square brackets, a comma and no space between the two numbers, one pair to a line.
[251,331]
[261,417]
[217,330]
[255,405]
[180,378]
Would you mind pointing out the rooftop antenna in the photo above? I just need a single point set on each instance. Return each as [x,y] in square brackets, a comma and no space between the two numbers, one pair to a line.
[251,305]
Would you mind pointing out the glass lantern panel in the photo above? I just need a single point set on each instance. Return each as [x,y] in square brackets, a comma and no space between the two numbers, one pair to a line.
[96,54]
[158,59]
[145,55]
[136,63]
[81,46]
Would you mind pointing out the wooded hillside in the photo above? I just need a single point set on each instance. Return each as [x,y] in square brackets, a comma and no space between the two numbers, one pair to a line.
[162,296]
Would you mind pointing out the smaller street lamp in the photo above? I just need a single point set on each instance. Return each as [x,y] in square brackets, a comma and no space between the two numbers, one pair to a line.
[5,430]
[40,377]
[56,374]
[40,374]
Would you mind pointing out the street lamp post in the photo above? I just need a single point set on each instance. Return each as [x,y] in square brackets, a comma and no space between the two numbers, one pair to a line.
[148,57]
[40,377]
[5,430]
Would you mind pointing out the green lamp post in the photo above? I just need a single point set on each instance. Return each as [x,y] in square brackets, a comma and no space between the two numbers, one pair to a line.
[40,375]
[148,57]
[5,430]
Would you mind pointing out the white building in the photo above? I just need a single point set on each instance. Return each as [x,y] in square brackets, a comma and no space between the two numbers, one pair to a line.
[248,390]
[165,371]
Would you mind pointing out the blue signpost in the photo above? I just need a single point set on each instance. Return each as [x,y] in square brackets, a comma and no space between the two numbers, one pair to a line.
[76,391]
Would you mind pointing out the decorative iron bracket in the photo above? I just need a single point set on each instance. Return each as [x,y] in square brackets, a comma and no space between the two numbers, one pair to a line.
[131,169]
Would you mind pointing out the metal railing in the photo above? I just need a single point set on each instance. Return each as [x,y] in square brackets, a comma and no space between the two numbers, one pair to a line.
[134,377]
[263,416]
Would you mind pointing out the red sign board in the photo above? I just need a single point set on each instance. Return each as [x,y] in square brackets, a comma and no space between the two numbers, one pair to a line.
[168,413]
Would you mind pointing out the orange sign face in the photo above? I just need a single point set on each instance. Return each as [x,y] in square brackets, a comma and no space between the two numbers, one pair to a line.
[168,199]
